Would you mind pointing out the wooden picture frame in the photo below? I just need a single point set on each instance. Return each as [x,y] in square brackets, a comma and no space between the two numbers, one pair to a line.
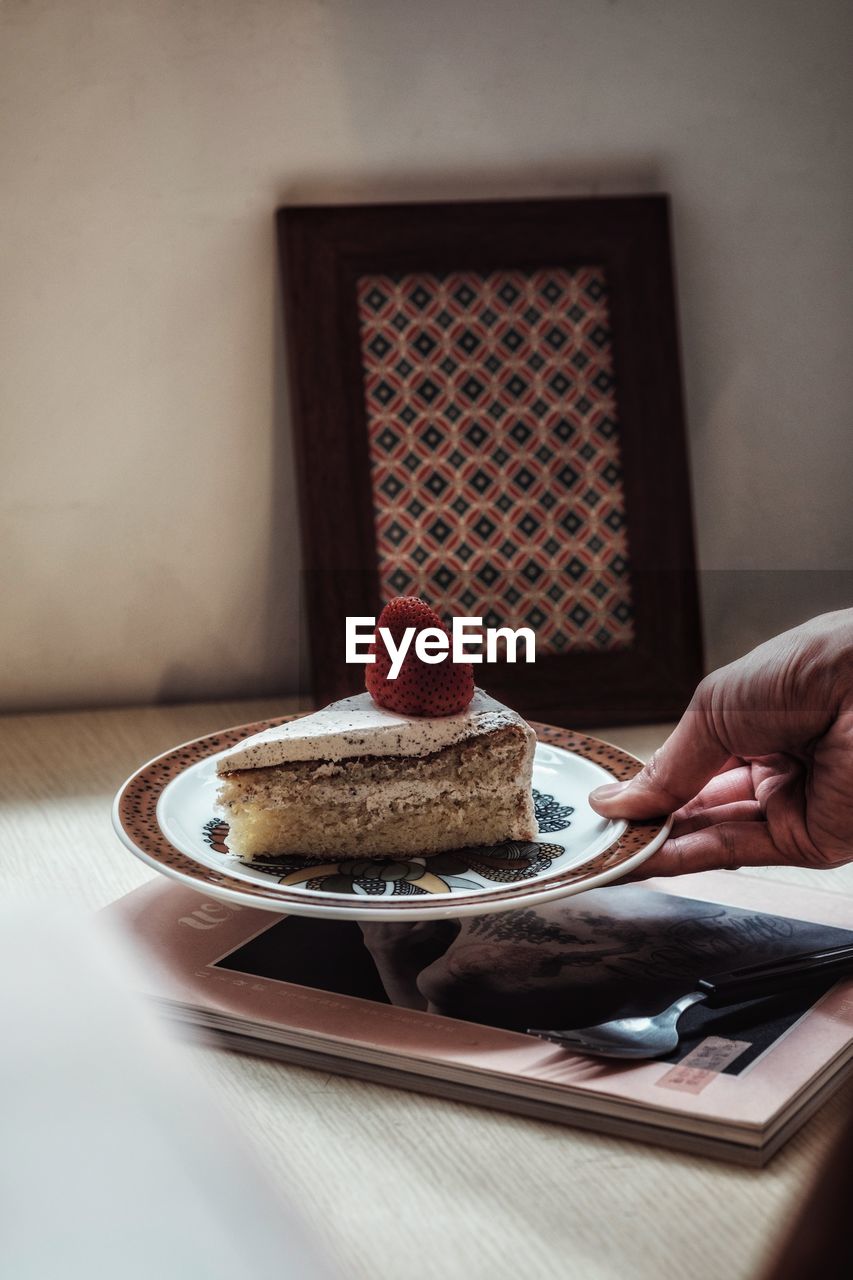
[492,389]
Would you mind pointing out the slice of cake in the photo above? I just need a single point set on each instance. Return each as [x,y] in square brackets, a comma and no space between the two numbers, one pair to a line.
[420,763]
[358,779]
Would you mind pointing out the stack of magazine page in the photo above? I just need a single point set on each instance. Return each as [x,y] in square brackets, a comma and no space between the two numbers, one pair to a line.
[444,1007]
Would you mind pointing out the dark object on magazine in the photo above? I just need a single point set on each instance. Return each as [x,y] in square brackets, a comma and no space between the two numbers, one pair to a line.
[656,1034]
[488,413]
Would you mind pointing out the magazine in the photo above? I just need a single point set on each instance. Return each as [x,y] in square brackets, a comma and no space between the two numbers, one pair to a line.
[444,1006]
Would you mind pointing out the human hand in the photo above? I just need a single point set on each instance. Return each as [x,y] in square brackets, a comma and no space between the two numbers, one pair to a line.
[759,771]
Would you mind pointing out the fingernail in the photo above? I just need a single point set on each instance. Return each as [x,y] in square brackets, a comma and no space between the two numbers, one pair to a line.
[609,791]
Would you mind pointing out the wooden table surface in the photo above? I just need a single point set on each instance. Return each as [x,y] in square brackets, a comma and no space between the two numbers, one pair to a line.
[396,1184]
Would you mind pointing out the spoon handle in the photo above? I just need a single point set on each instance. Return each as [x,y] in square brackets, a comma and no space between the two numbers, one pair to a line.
[752,981]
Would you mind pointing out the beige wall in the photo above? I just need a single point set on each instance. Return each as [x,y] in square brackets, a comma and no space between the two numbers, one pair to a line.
[149,543]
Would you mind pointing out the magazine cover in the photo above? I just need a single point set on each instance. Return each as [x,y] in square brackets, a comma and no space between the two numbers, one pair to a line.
[446,1005]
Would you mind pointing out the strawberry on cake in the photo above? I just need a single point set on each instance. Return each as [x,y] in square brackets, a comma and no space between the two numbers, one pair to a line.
[417,765]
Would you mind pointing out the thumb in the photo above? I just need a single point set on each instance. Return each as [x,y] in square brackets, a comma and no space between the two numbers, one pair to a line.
[691,755]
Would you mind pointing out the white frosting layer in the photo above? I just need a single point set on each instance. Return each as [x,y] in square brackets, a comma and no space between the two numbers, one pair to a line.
[357,727]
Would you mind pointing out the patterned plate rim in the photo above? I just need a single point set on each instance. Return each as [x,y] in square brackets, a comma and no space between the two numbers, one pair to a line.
[135,822]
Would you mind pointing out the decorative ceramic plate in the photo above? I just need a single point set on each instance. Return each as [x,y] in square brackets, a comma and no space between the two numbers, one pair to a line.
[166,814]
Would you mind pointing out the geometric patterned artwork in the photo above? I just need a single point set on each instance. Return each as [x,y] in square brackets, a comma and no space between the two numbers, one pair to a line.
[494,450]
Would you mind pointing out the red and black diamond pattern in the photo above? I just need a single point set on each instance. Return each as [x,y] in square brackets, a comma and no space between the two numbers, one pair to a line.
[494,450]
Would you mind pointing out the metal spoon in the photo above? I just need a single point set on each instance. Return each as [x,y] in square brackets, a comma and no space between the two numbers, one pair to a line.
[656,1035]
